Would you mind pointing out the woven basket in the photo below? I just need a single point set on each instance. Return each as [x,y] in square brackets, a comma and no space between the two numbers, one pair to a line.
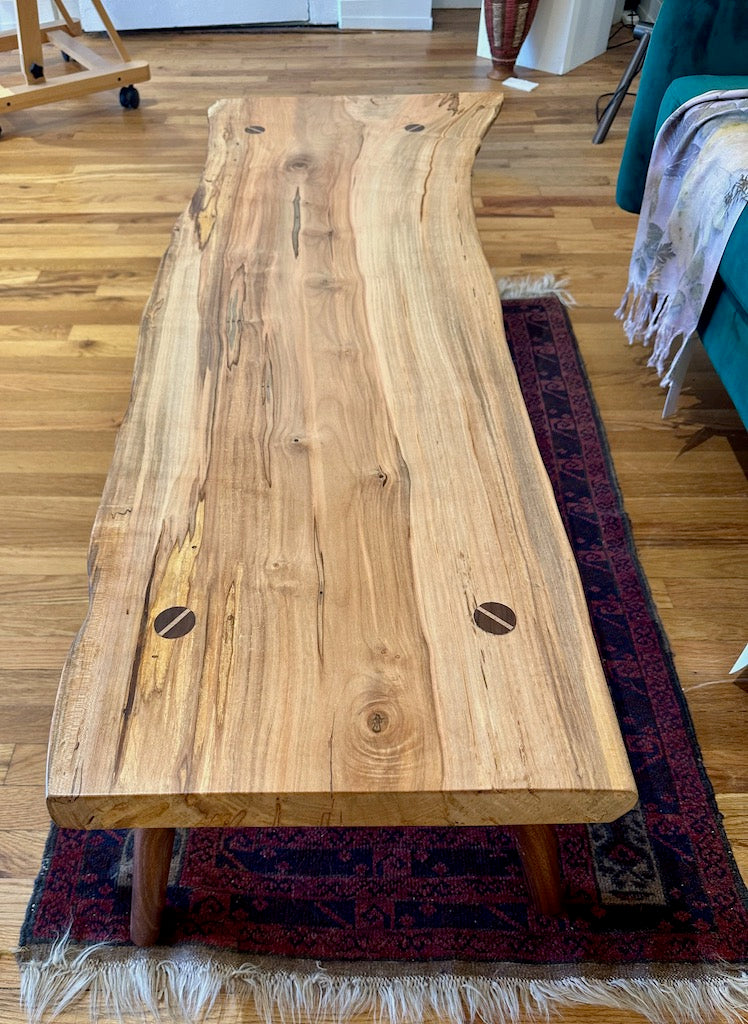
[507,25]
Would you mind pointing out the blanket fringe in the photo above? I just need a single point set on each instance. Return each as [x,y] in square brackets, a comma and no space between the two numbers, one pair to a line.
[535,287]
[648,318]
[185,983]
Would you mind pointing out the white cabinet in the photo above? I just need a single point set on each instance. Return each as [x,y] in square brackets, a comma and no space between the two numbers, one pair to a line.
[132,14]
[361,14]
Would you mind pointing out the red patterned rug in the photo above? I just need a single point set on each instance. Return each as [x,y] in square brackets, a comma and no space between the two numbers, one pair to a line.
[409,921]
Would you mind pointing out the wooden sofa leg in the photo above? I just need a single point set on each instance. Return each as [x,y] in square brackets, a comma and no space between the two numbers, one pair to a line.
[150,873]
[538,850]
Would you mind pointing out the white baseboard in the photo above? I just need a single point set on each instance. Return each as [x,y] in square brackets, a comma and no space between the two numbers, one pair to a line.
[413,15]
[452,4]
[398,24]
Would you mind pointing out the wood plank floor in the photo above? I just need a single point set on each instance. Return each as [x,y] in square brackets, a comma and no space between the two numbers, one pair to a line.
[89,193]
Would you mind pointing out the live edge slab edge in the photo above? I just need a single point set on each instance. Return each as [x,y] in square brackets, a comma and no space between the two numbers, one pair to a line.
[329,583]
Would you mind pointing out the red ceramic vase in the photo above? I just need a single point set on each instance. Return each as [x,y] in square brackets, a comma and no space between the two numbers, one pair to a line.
[507,25]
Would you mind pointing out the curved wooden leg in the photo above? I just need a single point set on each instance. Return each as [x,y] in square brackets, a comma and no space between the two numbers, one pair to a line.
[150,873]
[538,850]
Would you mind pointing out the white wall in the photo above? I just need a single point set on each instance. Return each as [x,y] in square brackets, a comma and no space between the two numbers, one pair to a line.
[649,9]
[8,13]
[354,14]
[382,14]
[323,12]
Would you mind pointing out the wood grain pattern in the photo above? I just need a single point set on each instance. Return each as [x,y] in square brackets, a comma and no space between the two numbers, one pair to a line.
[73,299]
[153,848]
[538,850]
[327,460]
[29,41]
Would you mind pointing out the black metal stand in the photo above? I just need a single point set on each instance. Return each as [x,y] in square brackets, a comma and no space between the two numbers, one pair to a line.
[642,32]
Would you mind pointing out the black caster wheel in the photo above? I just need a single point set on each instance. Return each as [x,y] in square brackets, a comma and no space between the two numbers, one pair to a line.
[129,97]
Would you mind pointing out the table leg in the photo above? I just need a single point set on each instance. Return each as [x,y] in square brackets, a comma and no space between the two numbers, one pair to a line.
[150,873]
[538,850]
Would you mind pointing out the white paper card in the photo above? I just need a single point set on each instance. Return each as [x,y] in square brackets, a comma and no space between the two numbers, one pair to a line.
[741,663]
[520,83]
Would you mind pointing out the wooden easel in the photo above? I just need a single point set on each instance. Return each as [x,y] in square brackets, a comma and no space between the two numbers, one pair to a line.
[98,73]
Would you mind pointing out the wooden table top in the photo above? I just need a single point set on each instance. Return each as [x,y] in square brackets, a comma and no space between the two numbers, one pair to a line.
[325,470]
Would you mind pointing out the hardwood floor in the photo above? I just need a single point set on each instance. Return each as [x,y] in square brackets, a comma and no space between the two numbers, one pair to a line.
[89,196]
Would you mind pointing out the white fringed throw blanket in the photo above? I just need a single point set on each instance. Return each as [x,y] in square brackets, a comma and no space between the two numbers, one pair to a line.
[697,187]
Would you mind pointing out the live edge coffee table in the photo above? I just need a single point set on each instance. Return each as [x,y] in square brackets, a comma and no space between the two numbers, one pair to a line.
[329,584]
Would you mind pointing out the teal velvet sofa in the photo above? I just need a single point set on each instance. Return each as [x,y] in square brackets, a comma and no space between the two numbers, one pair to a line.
[697,46]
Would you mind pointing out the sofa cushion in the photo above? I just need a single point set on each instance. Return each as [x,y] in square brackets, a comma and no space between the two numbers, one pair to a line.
[725,337]
[681,90]
[732,267]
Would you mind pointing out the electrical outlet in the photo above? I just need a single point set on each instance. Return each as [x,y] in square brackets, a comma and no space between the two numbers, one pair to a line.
[630,18]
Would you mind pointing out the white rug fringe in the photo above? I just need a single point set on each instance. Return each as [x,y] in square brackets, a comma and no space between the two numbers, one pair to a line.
[184,984]
[535,287]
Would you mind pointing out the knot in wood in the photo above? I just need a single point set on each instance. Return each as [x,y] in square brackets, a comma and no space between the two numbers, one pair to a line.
[378,721]
[299,163]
